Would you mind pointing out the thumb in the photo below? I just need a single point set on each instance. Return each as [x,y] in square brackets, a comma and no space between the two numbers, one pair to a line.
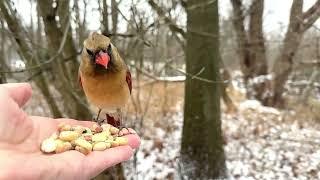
[19,92]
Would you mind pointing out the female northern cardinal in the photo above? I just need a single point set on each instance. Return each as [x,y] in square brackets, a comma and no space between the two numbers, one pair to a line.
[104,77]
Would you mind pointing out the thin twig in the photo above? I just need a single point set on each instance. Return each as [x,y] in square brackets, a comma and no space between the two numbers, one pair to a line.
[195,6]
[311,63]
[193,76]
[201,70]
[161,13]
[51,59]
[147,43]
[122,35]
[164,79]
[32,76]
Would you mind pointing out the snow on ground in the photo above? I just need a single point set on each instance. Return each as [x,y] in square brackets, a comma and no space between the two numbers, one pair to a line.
[158,157]
[260,144]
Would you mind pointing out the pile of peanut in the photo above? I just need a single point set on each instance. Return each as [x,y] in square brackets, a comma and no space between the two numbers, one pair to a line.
[83,139]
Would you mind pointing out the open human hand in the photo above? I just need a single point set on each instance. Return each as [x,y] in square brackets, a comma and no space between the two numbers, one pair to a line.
[21,135]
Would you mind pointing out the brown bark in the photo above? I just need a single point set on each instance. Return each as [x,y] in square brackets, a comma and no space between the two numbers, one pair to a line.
[25,51]
[231,108]
[202,159]
[69,48]
[251,46]
[54,35]
[299,22]
[173,27]
[176,30]
[242,39]
[252,49]
[31,30]
[311,16]
[39,27]
[80,25]
[258,64]
[105,18]
[114,16]
[3,77]
[283,64]
[74,108]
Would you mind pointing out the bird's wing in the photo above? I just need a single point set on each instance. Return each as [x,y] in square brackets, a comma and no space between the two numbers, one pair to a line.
[129,81]
[79,79]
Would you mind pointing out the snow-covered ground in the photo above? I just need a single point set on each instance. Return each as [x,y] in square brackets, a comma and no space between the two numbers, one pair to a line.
[158,156]
[260,144]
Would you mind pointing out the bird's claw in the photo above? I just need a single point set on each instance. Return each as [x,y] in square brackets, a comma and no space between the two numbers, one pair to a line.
[99,121]
[125,131]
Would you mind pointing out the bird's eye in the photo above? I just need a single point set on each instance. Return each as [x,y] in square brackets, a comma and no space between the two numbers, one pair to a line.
[109,50]
[90,52]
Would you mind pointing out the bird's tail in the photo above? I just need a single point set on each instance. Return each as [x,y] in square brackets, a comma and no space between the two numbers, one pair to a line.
[111,120]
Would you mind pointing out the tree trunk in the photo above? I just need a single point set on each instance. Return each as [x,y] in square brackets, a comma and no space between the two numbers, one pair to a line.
[242,39]
[225,74]
[72,102]
[258,62]
[113,173]
[105,18]
[114,16]
[202,150]
[69,50]
[19,34]
[80,25]
[70,53]
[3,77]
[283,64]
[251,47]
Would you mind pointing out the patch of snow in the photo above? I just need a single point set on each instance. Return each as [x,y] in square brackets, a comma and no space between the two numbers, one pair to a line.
[172,78]
[258,146]
[260,79]
[256,105]
[159,162]
[249,104]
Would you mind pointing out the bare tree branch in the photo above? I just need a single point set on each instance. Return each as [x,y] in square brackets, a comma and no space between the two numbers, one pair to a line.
[48,61]
[122,35]
[312,18]
[311,10]
[173,27]
[177,79]
[310,63]
[284,62]
[26,53]
[146,42]
[195,76]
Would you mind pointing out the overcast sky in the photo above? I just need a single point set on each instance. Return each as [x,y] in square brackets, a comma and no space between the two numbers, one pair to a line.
[276,12]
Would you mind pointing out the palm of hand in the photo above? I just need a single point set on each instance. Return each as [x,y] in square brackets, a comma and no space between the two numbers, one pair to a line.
[21,135]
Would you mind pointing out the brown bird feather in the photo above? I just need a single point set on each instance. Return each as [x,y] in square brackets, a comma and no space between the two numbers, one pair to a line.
[106,88]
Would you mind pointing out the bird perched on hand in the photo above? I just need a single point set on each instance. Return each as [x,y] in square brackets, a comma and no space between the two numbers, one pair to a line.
[104,77]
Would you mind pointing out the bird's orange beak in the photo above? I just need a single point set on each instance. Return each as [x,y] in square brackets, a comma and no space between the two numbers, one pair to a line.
[103,59]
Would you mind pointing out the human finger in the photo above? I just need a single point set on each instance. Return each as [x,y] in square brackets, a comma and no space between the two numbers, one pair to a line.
[98,161]
[19,92]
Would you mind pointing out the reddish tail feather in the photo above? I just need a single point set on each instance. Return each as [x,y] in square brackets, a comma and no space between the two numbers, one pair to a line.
[111,120]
